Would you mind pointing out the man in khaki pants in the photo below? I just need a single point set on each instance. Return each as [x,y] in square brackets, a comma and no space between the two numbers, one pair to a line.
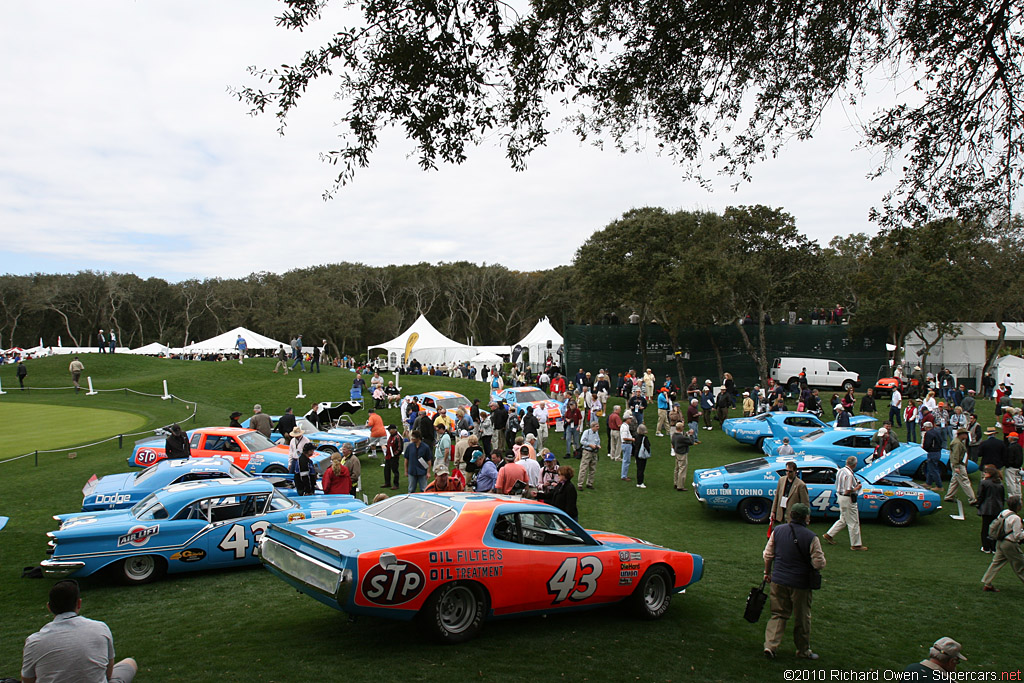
[614,437]
[849,514]
[590,444]
[681,442]
[958,463]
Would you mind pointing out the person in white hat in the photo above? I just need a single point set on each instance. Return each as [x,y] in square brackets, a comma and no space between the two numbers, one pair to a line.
[943,656]
[748,405]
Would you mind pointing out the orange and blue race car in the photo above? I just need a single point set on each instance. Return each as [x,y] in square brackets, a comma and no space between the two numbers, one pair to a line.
[521,398]
[454,560]
[451,401]
[248,449]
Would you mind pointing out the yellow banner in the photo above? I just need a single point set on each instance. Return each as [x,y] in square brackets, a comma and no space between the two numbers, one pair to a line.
[409,344]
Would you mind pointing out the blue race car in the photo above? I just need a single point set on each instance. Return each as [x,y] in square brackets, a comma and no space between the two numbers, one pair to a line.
[754,430]
[748,488]
[838,444]
[118,491]
[184,527]
[331,440]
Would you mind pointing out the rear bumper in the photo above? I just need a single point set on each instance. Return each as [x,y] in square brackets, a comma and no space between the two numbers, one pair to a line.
[55,569]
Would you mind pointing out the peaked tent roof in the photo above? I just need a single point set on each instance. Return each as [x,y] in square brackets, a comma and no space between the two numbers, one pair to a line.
[151,349]
[226,342]
[430,347]
[541,333]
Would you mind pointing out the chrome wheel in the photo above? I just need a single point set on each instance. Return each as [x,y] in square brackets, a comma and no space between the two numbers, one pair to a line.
[655,593]
[139,569]
[457,609]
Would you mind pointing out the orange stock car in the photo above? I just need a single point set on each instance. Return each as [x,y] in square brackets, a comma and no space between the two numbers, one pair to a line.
[456,559]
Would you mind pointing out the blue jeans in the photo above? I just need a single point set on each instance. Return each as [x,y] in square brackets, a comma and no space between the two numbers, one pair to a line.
[418,482]
[639,415]
[911,431]
[572,439]
[932,470]
[895,416]
[627,454]
[298,361]
[947,435]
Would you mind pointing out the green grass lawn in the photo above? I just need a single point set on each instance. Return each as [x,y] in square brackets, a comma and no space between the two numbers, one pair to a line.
[65,425]
[877,610]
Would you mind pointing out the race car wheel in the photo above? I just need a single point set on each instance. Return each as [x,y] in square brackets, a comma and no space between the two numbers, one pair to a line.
[276,469]
[141,569]
[653,595]
[756,510]
[759,444]
[899,513]
[455,612]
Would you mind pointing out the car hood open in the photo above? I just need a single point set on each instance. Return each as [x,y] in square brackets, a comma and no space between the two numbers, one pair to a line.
[885,466]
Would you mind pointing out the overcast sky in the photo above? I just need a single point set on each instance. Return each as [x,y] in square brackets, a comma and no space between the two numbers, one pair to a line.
[121,149]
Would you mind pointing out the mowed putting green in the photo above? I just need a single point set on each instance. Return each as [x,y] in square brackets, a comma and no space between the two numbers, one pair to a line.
[55,427]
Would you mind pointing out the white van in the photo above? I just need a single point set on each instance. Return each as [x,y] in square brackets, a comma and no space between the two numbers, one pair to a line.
[821,373]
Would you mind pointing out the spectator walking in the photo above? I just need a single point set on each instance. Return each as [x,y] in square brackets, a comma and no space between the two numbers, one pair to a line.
[590,443]
[847,490]
[643,452]
[1007,538]
[867,403]
[22,373]
[282,359]
[296,345]
[242,346]
[958,469]
[790,490]
[1011,472]
[681,442]
[76,368]
[932,444]
[792,556]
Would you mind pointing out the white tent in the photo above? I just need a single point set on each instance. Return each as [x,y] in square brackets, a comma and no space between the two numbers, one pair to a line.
[429,346]
[485,360]
[542,340]
[1014,367]
[225,343]
[153,349]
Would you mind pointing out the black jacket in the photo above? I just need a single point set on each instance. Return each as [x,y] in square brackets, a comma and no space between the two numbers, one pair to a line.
[531,425]
[992,452]
[990,497]
[563,496]
[1014,455]
[177,447]
[286,424]
[499,418]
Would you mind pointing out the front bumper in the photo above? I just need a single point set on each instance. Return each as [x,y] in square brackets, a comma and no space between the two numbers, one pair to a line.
[55,569]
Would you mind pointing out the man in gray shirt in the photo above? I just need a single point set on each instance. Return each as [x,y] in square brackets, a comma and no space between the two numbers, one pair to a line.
[72,648]
[590,444]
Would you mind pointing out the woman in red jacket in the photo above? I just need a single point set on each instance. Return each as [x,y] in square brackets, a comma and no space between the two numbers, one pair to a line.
[337,478]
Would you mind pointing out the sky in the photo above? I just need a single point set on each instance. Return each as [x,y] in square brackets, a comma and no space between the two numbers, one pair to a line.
[122,149]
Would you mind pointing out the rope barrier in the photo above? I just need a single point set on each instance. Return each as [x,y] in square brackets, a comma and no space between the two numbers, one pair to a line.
[195,411]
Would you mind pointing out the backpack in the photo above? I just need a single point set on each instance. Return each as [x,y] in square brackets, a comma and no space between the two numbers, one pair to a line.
[997,529]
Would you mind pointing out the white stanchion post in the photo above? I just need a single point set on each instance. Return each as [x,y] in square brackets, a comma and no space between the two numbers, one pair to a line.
[2,392]
[166,395]
[300,394]
[397,385]
[91,392]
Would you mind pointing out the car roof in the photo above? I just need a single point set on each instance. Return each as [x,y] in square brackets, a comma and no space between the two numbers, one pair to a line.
[190,490]
[194,464]
[221,431]
[441,394]
[463,499]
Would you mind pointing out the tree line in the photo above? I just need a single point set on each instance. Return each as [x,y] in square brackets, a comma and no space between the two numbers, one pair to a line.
[748,266]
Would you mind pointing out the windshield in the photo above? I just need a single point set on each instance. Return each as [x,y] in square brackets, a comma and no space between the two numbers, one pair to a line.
[306,426]
[531,395]
[746,466]
[414,512]
[254,441]
[453,402]
[279,501]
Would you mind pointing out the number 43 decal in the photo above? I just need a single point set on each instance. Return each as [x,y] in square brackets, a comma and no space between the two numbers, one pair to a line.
[235,540]
[575,578]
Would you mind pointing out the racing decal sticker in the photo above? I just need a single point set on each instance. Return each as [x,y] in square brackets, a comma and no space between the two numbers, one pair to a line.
[474,563]
[623,556]
[146,456]
[718,500]
[138,536]
[575,579]
[393,585]
[634,555]
[341,511]
[331,533]
[190,555]
[317,513]
[112,499]
[295,516]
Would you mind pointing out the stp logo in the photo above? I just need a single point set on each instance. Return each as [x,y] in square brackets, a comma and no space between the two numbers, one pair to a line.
[146,456]
[398,583]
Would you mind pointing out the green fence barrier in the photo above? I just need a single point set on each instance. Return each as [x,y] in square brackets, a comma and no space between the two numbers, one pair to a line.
[617,348]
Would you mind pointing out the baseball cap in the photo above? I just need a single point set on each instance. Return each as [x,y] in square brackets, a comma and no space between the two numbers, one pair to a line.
[464,432]
[393,427]
[1013,435]
[947,646]
[440,469]
[549,457]
[257,407]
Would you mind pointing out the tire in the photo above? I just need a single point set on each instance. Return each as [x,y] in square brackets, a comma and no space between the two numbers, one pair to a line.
[847,385]
[329,450]
[141,569]
[276,469]
[759,444]
[755,510]
[653,594]
[455,612]
[898,513]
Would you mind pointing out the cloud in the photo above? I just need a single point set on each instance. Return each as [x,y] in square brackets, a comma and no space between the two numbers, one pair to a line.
[124,151]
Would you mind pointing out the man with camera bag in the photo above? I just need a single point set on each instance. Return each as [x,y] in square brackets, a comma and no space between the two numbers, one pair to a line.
[792,560]
[1008,534]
